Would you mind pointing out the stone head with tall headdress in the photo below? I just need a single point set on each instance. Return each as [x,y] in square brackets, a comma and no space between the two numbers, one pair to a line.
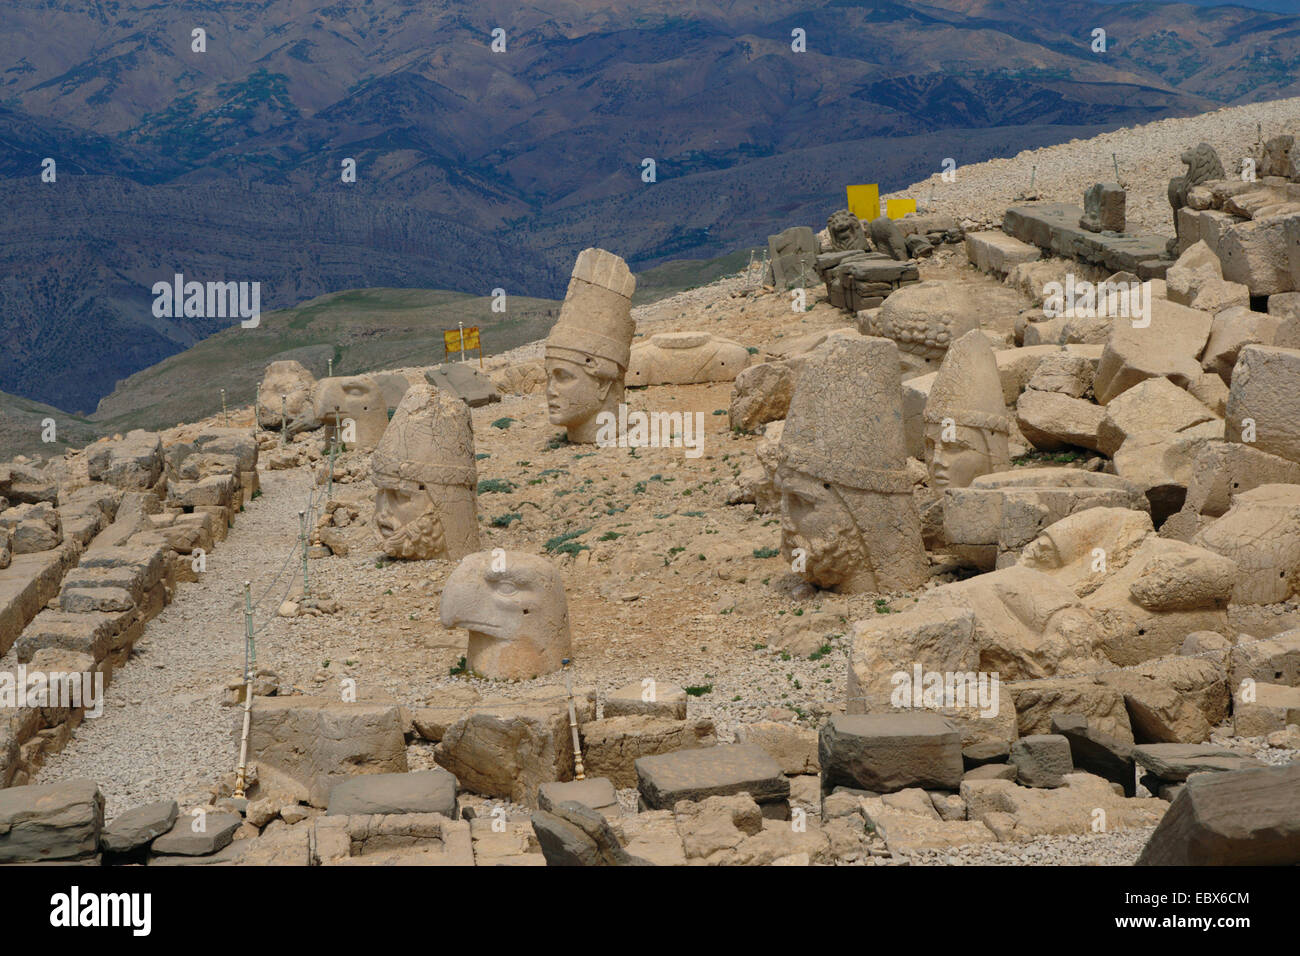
[966,424]
[588,348]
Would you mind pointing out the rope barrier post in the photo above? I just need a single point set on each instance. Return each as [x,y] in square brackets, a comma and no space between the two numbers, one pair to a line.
[250,666]
[224,416]
[579,773]
[1033,176]
[1115,160]
[284,424]
[329,478]
[331,366]
[302,541]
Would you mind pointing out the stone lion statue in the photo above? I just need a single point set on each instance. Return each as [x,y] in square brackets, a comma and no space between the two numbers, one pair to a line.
[846,232]
[1202,165]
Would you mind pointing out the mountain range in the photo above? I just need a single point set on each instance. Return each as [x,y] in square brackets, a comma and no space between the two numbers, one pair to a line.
[478,170]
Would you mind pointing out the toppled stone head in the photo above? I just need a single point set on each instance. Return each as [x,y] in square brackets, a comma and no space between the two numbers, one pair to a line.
[355,399]
[588,348]
[846,232]
[425,477]
[287,387]
[966,425]
[848,521]
[513,606]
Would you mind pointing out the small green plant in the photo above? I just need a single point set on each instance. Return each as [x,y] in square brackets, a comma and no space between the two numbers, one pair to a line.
[766,552]
[481,455]
[503,423]
[882,606]
[564,543]
[498,485]
[257,493]
[820,652]
[503,520]
[719,411]
[558,440]
[609,536]
[461,668]
[699,690]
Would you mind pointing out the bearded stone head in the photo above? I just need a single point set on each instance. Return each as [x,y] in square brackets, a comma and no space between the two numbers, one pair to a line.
[819,536]
[513,606]
[425,478]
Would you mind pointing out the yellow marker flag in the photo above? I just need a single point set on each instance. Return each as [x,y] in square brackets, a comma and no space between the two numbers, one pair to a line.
[898,208]
[864,201]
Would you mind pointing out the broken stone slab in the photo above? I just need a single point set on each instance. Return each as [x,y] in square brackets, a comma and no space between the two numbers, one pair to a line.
[133,462]
[421,791]
[1273,660]
[761,394]
[510,747]
[304,746]
[1055,227]
[1065,372]
[468,384]
[95,633]
[1098,753]
[598,793]
[612,746]
[138,827]
[401,839]
[1274,707]
[198,834]
[1242,818]
[887,752]
[212,491]
[1232,330]
[1196,280]
[575,835]
[667,701]
[1041,760]
[1039,702]
[1051,421]
[1174,763]
[239,443]
[1225,469]
[1263,404]
[694,774]
[1155,403]
[1260,533]
[51,822]
[1018,814]
[1256,253]
[1169,346]
[26,586]
[1163,464]
[997,252]
[793,748]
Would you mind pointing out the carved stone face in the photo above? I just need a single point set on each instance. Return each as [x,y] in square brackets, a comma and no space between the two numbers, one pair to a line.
[355,397]
[956,463]
[423,522]
[293,383]
[814,518]
[513,606]
[574,396]
[845,231]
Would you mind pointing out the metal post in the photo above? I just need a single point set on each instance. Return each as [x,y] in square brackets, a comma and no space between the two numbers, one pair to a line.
[302,541]
[331,366]
[225,417]
[461,326]
[1115,160]
[250,667]
[1033,175]
[329,480]
[284,424]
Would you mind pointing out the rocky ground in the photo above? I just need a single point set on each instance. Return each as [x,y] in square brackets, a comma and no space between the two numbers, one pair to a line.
[664,579]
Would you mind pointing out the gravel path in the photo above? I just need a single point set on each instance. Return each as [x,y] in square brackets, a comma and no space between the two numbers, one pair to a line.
[164,732]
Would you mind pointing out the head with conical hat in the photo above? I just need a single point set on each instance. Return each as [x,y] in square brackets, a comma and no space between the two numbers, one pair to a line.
[848,521]
[587,349]
[424,474]
[966,423]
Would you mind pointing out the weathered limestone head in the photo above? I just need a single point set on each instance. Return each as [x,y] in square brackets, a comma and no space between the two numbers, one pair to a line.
[292,382]
[846,497]
[425,477]
[846,232]
[354,397]
[588,348]
[923,320]
[966,425]
[514,608]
